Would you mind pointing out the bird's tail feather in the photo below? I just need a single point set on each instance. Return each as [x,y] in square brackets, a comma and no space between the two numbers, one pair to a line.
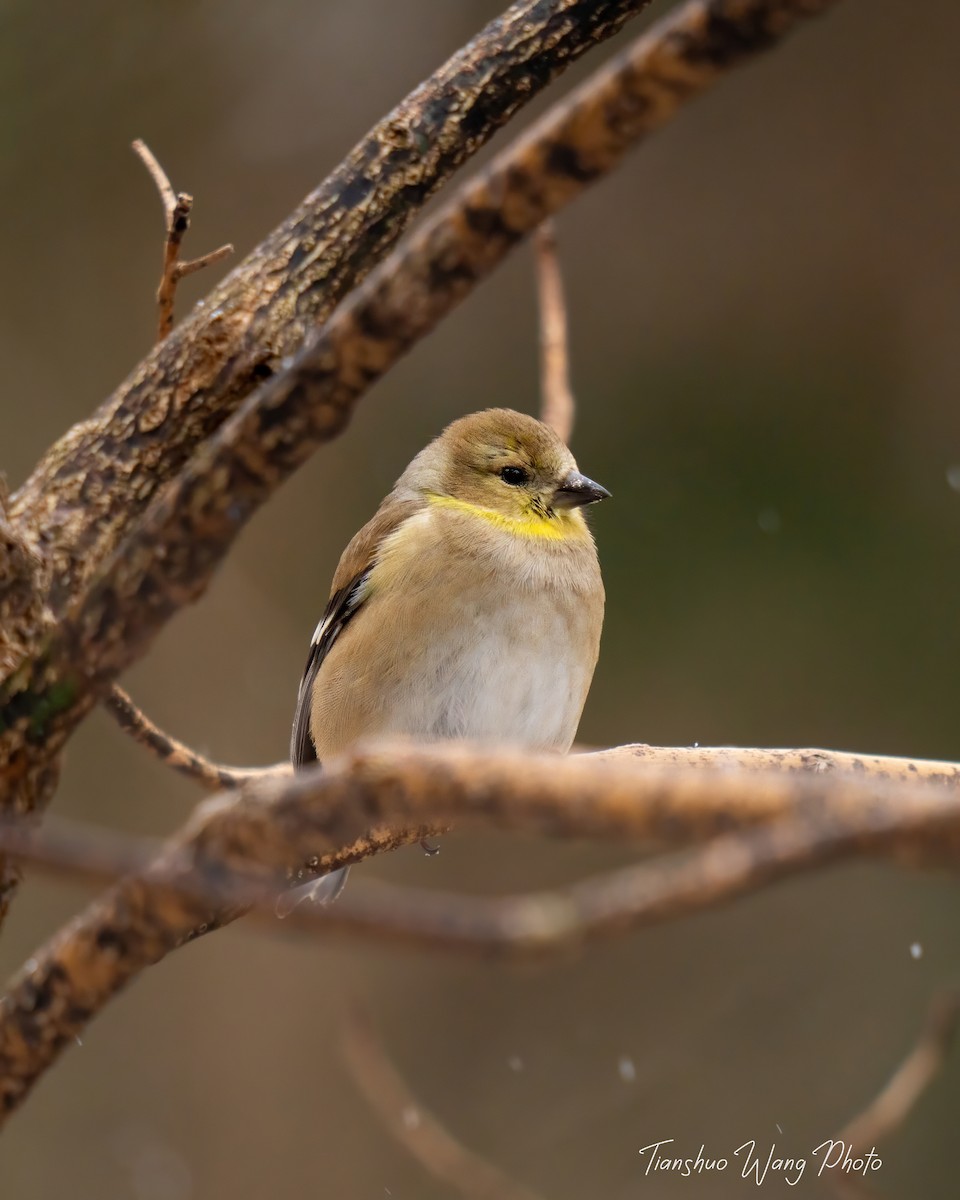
[323,890]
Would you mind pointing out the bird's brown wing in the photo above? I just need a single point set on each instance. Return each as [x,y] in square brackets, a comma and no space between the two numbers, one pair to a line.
[342,606]
[349,593]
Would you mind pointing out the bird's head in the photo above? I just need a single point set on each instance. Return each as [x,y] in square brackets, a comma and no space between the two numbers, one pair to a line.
[511,464]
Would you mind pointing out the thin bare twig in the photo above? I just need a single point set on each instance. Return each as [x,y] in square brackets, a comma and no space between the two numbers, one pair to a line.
[557,404]
[171,201]
[214,777]
[892,1106]
[412,1125]
[177,207]
[192,265]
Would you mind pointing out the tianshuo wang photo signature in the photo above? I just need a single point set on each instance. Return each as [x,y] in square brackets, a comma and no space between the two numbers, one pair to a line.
[762,1163]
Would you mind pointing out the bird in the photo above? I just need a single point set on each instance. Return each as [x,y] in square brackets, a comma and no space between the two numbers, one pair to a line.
[469,607]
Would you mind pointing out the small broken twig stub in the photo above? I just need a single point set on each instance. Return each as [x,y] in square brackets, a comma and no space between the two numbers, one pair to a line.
[177,207]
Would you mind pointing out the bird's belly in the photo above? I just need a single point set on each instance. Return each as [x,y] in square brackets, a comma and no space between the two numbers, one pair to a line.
[514,678]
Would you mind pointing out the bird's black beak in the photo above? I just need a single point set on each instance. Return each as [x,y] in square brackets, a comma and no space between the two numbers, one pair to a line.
[576,490]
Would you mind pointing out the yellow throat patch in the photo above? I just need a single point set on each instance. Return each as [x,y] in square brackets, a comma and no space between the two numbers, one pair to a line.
[558,528]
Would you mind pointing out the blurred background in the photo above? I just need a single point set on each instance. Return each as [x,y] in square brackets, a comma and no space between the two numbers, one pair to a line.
[763,306]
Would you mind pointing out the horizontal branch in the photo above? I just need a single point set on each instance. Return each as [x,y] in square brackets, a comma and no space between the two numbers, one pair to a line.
[884,767]
[531,925]
[541,922]
[244,847]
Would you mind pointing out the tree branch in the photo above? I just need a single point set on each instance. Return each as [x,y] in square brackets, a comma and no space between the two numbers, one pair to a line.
[521,925]
[515,927]
[167,560]
[24,620]
[92,488]
[264,309]
[242,848]
[177,208]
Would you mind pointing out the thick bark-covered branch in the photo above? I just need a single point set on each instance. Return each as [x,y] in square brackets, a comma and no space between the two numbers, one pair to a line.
[95,482]
[168,559]
[21,608]
[101,856]
[534,924]
[241,849]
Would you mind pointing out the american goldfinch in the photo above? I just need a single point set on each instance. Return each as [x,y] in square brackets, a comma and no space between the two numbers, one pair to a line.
[469,607]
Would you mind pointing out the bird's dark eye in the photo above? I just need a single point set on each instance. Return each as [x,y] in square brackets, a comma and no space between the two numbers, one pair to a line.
[515,476]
